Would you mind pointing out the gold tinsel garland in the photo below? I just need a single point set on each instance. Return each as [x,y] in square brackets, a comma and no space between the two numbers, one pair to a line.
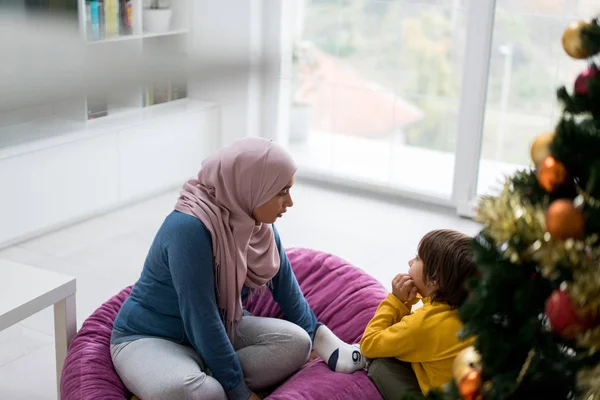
[514,223]
[580,256]
[511,221]
[588,382]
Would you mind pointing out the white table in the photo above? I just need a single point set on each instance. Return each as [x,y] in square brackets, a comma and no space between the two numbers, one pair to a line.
[26,290]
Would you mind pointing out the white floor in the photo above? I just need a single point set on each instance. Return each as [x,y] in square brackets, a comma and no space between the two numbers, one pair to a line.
[106,254]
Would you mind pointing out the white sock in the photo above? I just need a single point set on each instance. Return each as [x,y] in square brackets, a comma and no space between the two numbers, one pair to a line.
[339,356]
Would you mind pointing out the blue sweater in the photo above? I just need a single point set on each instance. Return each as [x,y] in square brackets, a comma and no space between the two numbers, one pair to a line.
[174,299]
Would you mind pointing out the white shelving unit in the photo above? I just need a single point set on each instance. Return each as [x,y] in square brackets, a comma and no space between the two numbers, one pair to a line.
[135,40]
[43,121]
[51,131]
[57,166]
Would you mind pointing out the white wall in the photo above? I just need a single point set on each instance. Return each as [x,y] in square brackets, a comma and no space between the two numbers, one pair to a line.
[238,46]
[276,68]
[221,46]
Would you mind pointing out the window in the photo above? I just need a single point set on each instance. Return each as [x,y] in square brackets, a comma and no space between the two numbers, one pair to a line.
[378,91]
[379,96]
[527,64]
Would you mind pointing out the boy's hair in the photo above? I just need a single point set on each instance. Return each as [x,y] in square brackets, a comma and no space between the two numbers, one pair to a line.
[449,260]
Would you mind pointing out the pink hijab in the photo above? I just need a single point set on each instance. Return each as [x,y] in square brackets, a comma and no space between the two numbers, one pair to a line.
[231,184]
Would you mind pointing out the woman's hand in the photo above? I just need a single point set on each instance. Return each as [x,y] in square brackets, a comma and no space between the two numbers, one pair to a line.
[404,288]
[254,396]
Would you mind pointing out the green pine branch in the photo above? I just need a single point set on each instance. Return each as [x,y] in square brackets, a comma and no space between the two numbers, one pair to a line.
[582,106]
[505,312]
[590,36]
[525,182]
[577,145]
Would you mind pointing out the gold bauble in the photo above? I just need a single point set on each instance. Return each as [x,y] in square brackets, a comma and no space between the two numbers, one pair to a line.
[572,42]
[465,362]
[540,148]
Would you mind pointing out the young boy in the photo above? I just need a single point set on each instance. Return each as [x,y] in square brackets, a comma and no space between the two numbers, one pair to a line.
[413,352]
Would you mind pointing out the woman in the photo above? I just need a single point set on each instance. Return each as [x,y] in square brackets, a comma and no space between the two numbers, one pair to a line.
[183,332]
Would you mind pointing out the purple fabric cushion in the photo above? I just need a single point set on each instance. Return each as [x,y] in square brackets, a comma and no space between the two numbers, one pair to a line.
[343,297]
[88,372]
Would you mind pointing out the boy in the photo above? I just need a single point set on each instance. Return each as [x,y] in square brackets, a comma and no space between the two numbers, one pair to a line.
[413,351]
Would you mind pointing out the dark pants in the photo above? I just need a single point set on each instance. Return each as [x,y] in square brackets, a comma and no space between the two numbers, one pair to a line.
[394,378]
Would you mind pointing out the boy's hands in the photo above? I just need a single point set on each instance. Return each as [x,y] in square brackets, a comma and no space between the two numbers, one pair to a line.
[404,288]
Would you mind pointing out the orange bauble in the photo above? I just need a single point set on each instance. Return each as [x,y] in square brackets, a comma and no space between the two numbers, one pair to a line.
[564,220]
[470,387]
[552,174]
[572,42]
[464,362]
[466,370]
[566,319]
[540,148]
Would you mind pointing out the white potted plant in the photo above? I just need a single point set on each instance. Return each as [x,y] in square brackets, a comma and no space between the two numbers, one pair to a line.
[304,65]
[157,17]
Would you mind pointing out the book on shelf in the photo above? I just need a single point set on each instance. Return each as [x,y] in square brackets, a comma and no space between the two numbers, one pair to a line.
[102,19]
[93,17]
[126,17]
[66,8]
[164,92]
[109,18]
[160,93]
[96,107]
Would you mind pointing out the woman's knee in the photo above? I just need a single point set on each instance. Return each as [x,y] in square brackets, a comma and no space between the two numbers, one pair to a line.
[300,345]
[275,351]
[294,342]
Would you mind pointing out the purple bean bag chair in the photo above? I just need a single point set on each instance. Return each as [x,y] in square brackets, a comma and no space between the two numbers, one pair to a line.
[343,297]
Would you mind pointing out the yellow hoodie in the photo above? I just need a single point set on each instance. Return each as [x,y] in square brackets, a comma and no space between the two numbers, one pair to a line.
[427,338]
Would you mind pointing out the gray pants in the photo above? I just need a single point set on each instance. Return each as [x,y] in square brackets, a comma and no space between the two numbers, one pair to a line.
[394,378]
[269,351]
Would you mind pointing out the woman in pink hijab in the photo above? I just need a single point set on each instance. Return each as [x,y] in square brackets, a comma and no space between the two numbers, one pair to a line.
[183,332]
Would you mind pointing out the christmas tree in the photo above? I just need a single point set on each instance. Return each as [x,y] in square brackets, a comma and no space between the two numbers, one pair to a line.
[534,307]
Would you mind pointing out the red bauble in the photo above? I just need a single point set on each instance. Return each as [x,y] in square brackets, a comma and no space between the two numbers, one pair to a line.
[565,318]
[582,81]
